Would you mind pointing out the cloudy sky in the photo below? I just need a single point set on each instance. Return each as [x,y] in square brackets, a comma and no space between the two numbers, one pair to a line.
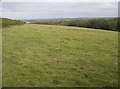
[59,9]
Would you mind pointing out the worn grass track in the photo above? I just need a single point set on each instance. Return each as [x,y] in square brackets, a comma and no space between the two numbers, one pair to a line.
[46,55]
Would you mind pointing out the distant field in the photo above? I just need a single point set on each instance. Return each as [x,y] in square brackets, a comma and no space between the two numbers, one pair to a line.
[50,56]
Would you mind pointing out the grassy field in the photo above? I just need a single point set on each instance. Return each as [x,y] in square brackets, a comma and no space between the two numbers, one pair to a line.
[50,56]
[0,55]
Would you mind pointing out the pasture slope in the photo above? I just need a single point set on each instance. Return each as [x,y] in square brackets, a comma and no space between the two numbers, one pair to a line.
[50,56]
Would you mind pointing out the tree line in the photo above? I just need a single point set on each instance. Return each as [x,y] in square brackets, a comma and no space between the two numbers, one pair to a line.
[97,23]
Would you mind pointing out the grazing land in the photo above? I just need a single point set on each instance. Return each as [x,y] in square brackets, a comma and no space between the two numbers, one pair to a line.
[50,56]
[0,53]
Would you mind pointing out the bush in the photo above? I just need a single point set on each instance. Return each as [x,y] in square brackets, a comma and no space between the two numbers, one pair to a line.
[8,22]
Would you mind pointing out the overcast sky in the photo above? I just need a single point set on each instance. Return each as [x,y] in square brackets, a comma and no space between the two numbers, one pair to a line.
[59,0]
[71,9]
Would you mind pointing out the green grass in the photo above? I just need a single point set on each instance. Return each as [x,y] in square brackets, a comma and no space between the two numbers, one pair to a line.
[56,56]
[0,55]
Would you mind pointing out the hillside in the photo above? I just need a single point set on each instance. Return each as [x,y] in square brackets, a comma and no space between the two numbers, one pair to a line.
[96,23]
[46,55]
[9,22]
